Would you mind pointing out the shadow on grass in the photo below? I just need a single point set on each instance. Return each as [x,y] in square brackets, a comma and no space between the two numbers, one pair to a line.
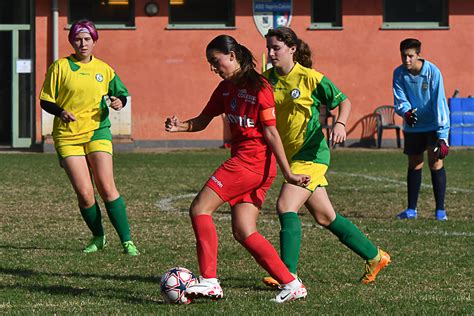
[112,293]
[108,293]
[36,248]
[245,283]
[27,273]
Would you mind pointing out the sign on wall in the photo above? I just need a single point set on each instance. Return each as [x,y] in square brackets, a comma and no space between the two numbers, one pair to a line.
[269,14]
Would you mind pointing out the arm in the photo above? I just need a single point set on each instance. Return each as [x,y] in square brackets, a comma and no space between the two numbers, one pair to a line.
[56,110]
[272,138]
[441,108]
[173,124]
[118,103]
[338,133]
[117,93]
[402,105]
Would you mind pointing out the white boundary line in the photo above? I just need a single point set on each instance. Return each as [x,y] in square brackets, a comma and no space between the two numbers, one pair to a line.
[166,205]
[385,179]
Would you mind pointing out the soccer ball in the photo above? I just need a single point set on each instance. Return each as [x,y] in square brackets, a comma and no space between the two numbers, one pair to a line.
[173,284]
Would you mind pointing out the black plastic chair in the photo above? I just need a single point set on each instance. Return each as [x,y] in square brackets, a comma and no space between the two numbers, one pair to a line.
[385,116]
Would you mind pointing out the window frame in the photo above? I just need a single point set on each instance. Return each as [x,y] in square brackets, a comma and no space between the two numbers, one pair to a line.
[335,25]
[229,25]
[129,25]
[436,25]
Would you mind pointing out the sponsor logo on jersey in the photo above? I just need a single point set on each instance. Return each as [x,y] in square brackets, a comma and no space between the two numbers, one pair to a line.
[219,184]
[233,105]
[247,97]
[99,77]
[243,121]
[295,93]
[225,94]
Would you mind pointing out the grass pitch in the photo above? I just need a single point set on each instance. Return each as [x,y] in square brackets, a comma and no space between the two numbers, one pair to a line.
[42,269]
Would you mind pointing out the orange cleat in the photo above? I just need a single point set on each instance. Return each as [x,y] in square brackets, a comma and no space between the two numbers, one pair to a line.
[372,268]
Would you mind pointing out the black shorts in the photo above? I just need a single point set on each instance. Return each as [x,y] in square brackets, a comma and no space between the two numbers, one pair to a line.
[417,143]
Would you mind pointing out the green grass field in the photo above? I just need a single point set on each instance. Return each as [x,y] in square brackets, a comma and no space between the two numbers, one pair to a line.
[42,269]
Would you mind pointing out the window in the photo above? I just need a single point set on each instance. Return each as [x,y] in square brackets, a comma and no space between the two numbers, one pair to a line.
[409,14]
[326,14]
[104,13]
[201,13]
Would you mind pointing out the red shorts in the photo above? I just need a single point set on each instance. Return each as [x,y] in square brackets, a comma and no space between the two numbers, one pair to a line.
[237,184]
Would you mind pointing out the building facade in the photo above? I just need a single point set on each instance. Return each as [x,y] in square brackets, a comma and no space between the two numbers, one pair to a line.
[158,49]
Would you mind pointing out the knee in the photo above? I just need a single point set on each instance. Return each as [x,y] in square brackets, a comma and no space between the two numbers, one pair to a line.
[108,193]
[86,198]
[240,235]
[281,207]
[197,208]
[323,219]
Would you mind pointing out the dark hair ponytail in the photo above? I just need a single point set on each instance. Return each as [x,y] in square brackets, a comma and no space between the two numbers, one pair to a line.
[286,35]
[247,76]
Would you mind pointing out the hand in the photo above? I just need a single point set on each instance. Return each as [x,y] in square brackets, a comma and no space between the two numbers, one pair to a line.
[442,148]
[410,117]
[338,134]
[172,124]
[67,117]
[116,103]
[301,180]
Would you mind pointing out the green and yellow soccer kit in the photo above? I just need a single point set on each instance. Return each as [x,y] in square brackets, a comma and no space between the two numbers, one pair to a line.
[80,88]
[298,97]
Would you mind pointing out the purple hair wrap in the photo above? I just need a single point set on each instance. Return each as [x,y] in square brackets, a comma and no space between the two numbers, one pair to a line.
[83,26]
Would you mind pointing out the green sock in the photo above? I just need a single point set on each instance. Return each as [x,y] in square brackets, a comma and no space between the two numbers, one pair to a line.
[353,238]
[93,219]
[290,239]
[118,216]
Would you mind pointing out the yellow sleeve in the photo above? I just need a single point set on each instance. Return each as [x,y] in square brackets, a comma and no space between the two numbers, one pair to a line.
[49,91]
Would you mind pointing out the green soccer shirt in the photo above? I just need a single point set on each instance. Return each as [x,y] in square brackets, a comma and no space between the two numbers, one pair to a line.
[80,88]
[298,96]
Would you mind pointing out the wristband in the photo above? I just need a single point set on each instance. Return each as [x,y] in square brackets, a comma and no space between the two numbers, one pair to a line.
[340,123]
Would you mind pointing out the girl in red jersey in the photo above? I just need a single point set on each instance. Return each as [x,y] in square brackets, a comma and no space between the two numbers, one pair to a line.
[246,99]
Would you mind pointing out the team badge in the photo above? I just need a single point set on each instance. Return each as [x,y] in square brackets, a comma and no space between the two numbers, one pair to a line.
[233,105]
[295,93]
[99,77]
[424,86]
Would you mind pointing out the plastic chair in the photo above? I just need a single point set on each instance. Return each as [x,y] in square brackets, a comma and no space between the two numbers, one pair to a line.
[385,116]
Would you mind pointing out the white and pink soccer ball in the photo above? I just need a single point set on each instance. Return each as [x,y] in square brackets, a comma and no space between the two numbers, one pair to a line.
[173,284]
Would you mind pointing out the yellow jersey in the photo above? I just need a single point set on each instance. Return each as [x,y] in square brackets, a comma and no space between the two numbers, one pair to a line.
[80,88]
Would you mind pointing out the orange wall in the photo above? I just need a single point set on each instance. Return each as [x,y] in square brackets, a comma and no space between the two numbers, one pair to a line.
[166,71]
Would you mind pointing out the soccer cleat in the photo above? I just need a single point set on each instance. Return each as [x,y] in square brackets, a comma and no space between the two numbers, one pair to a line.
[290,292]
[130,249]
[96,243]
[271,282]
[441,215]
[209,288]
[407,214]
[372,267]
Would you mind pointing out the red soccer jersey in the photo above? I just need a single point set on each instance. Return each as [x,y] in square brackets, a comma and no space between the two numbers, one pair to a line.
[246,112]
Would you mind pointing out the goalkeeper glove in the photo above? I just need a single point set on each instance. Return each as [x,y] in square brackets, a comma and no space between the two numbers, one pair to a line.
[410,117]
[442,148]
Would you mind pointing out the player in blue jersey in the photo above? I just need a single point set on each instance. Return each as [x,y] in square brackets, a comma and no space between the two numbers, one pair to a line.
[420,100]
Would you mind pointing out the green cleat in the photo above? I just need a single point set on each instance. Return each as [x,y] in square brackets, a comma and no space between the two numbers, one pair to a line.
[130,249]
[96,243]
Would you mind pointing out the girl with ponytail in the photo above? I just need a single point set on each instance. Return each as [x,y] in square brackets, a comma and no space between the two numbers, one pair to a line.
[299,92]
[246,98]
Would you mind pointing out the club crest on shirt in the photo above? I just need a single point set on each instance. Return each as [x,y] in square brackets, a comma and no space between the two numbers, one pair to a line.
[233,105]
[295,93]
[424,86]
[99,77]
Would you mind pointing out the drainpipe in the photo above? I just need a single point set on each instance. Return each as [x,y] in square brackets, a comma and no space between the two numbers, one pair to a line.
[48,119]
[55,10]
